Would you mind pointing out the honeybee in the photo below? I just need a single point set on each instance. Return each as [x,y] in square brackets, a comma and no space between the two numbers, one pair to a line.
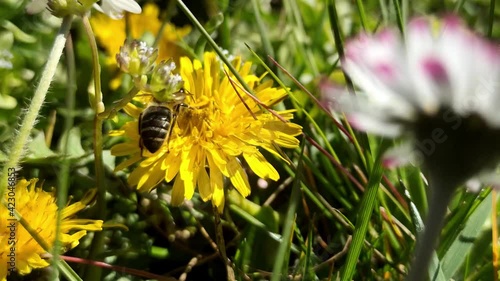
[157,121]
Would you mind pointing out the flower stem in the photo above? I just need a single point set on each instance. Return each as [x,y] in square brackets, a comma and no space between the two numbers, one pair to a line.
[214,45]
[94,273]
[494,234]
[219,237]
[22,138]
[110,112]
[63,178]
[438,204]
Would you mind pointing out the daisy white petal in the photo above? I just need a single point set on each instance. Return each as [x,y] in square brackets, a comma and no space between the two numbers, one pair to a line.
[439,85]
[369,124]
[115,8]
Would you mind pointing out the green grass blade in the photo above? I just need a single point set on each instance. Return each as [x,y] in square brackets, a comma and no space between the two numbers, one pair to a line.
[264,35]
[399,16]
[491,18]
[361,12]
[436,269]
[463,243]
[280,268]
[366,209]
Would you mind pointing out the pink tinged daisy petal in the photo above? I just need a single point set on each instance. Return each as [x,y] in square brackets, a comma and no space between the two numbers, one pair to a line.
[464,62]
[401,155]
[238,177]
[435,70]
[420,48]
[487,103]
[260,166]
[177,192]
[487,178]
[365,122]
[384,44]
[381,92]
[473,184]
[474,65]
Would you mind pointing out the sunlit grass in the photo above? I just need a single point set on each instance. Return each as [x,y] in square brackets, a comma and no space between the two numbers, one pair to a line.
[334,214]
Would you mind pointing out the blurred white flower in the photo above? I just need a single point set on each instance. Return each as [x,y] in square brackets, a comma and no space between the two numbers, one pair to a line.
[115,8]
[6,59]
[440,85]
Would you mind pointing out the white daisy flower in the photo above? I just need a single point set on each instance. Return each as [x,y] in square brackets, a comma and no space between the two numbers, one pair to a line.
[440,84]
[115,8]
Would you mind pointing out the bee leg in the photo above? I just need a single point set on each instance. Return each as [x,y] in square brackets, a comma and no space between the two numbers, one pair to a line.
[141,145]
[173,119]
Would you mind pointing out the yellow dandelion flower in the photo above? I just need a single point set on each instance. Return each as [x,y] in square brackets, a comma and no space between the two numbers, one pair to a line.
[211,136]
[39,209]
[111,33]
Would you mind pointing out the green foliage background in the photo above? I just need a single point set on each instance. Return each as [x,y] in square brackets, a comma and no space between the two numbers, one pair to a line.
[299,228]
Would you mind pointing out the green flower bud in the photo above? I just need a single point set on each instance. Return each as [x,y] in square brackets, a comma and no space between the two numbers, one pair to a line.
[62,8]
[136,58]
[165,85]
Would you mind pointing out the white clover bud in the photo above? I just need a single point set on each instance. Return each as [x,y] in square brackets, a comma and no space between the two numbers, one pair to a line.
[136,58]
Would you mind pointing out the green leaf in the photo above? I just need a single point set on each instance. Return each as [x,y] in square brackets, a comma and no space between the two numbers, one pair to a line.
[18,33]
[214,22]
[38,151]
[366,209]
[461,246]
[280,268]
[436,269]
[108,159]
[75,149]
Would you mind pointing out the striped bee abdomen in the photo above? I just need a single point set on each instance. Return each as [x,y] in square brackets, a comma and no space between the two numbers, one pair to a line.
[154,126]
